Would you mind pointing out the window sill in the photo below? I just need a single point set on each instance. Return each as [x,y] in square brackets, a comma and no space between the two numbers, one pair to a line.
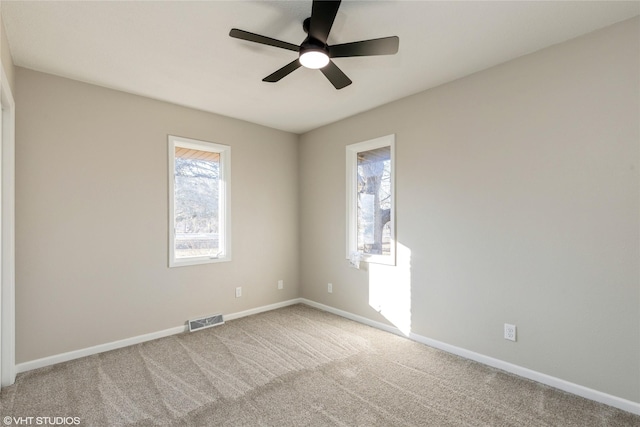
[197,261]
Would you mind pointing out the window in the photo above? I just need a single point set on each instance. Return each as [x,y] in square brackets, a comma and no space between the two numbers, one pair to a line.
[199,228]
[370,200]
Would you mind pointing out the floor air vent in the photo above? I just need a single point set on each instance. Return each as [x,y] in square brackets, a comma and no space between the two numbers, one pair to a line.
[205,322]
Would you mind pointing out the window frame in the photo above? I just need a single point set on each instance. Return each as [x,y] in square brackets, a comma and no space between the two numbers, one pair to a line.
[224,211]
[352,151]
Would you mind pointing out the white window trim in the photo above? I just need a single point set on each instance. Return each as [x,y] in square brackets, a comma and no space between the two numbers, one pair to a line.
[225,199]
[352,202]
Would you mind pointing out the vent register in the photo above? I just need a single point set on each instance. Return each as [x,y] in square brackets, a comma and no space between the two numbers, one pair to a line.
[205,322]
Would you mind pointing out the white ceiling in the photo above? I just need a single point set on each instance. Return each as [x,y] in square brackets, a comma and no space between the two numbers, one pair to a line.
[180,51]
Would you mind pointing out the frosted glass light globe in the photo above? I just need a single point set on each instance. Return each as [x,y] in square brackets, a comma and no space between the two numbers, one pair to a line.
[314,59]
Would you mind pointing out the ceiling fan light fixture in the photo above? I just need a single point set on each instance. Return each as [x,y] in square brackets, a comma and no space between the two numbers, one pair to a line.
[314,52]
[314,59]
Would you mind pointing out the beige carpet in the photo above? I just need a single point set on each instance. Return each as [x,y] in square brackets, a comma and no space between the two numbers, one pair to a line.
[296,366]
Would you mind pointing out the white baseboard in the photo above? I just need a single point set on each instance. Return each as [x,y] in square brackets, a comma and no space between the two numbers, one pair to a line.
[262,309]
[101,348]
[588,393]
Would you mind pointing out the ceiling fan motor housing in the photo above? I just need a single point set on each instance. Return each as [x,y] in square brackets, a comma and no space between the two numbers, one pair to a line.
[313,54]
[316,53]
[311,44]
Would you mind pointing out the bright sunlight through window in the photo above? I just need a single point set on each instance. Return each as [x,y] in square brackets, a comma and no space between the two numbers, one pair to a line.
[370,200]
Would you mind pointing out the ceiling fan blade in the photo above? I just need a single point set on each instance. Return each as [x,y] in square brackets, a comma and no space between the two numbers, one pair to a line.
[335,75]
[282,72]
[323,13]
[257,38]
[382,46]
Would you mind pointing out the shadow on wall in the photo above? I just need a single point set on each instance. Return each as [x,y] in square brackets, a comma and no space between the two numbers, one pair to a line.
[390,289]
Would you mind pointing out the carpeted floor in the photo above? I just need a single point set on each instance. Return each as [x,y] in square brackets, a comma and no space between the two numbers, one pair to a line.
[295,366]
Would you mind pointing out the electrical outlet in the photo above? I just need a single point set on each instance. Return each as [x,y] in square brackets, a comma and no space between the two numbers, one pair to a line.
[509,332]
[280,284]
[330,288]
[238,292]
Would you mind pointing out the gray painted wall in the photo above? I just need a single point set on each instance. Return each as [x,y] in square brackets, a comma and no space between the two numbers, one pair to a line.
[92,217]
[517,202]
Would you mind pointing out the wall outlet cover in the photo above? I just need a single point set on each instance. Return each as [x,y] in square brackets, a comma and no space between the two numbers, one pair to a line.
[509,332]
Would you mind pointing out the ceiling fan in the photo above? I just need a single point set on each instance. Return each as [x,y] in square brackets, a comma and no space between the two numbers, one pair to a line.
[314,52]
